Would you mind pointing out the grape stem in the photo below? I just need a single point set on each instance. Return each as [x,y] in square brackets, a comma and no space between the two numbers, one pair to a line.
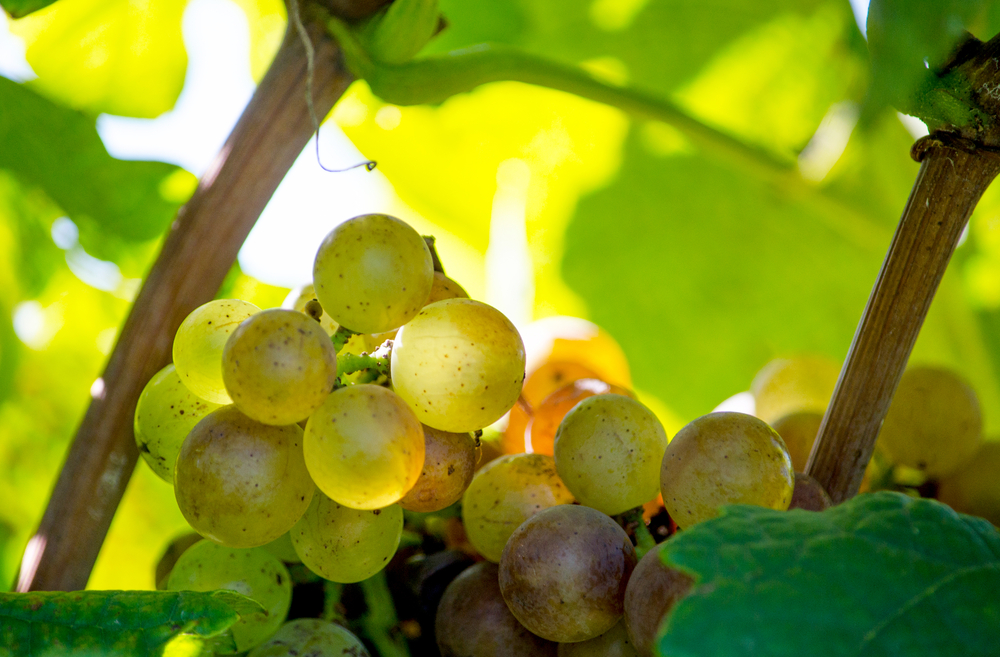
[635,523]
[438,267]
[340,338]
[376,365]
[379,622]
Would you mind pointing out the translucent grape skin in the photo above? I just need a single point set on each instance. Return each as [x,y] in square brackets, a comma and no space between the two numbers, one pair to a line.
[974,487]
[790,385]
[449,463]
[540,435]
[373,273]
[278,366]
[256,573]
[724,458]
[613,643]
[198,345]
[538,385]
[364,447]
[473,620]
[504,494]
[239,482]
[608,451]
[445,288]
[809,495]
[799,431]
[934,422]
[343,544]
[652,592]
[575,340]
[458,364]
[311,637]
[297,300]
[564,571]
[164,415]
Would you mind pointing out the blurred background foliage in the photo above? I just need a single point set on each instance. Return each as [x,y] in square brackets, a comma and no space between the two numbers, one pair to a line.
[702,268]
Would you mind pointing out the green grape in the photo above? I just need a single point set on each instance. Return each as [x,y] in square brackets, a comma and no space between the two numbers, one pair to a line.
[934,423]
[373,273]
[790,385]
[809,495]
[445,288]
[652,592]
[311,637]
[164,415]
[799,431]
[175,549]
[343,544]
[282,548]
[724,458]
[297,300]
[449,463]
[279,366]
[239,482]
[473,620]
[199,342]
[256,573]
[506,492]
[974,487]
[364,447]
[459,364]
[563,573]
[613,643]
[608,451]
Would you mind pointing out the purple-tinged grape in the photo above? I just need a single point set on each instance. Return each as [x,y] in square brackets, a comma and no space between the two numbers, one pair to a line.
[652,592]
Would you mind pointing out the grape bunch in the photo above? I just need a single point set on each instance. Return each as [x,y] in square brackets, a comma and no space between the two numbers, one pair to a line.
[332,450]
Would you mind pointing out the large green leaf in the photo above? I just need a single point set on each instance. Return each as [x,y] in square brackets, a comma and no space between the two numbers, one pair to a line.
[120,623]
[122,57]
[19,8]
[907,39]
[59,150]
[882,574]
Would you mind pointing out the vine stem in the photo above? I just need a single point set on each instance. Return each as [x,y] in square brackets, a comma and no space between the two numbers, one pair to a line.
[953,175]
[197,253]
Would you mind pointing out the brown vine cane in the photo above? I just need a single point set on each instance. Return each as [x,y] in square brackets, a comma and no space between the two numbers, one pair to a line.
[957,165]
[196,256]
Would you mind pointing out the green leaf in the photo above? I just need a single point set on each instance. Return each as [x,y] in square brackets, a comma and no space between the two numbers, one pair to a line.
[59,150]
[909,39]
[19,8]
[883,574]
[115,56]
[121,623]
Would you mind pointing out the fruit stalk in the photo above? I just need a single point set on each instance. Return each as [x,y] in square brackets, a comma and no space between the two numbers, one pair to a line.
[953,175]
[198,251]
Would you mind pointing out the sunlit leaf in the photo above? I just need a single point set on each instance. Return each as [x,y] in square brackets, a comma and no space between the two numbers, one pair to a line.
[19,8]
[122,57]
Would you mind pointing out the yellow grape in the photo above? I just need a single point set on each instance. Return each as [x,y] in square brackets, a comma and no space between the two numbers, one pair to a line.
[278,366]
[934,423]
[608,451]
[974,488]
[790,385]
[164,415]
[799,431]
[297,300]
[198,345]
[256,573]
[505,493]
[343,544]
[373,273]
[239,482]
[364,447]
[449,463]
[575,340]
[724,458]
[458,364]
[540,436]
[445,288]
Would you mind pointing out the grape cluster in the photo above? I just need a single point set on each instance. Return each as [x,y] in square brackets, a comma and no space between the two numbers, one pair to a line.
[340,435]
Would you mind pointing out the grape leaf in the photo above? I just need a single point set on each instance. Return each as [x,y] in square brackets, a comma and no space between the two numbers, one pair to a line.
[908,39]
[121,623]
[59,150]
[883,574]
[19,8]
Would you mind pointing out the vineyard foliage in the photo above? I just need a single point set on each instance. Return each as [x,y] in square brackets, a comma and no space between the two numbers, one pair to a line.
[702,266]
